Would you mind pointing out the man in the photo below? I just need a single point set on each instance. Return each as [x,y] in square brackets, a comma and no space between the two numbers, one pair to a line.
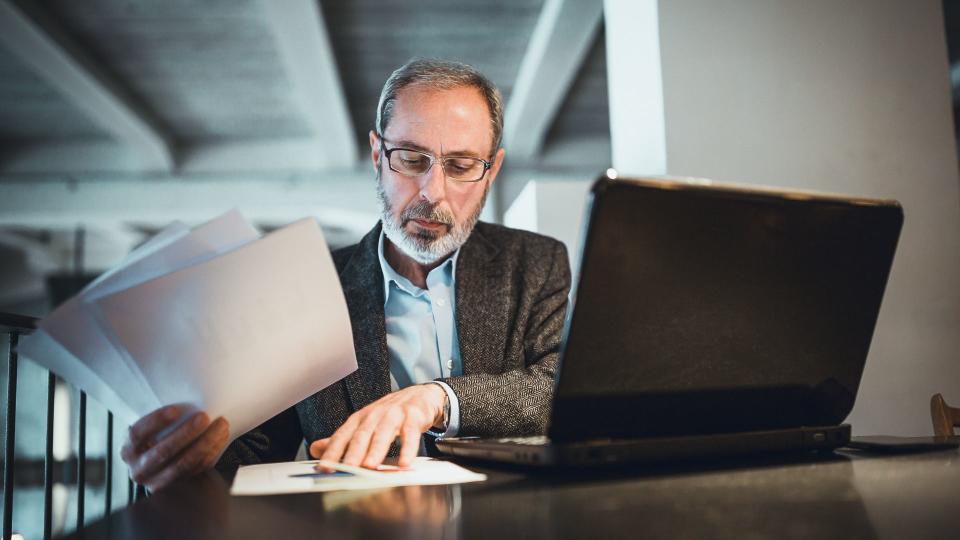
[456,323]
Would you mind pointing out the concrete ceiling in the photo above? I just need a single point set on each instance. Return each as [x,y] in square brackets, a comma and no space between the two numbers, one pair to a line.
[164,95]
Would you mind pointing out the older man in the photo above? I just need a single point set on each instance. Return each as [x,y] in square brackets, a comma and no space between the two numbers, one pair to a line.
[456,322]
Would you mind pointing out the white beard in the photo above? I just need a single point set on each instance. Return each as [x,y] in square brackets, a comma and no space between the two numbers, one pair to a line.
[427,247]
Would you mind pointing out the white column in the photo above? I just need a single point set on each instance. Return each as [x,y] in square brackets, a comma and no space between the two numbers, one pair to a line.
[554,207]
[634,82]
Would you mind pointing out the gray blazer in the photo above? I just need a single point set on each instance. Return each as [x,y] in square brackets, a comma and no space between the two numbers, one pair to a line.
[511,298]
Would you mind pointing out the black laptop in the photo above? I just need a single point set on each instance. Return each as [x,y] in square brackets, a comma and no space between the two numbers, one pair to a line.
[711,320]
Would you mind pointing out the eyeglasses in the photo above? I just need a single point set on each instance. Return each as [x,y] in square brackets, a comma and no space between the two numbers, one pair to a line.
[415,163]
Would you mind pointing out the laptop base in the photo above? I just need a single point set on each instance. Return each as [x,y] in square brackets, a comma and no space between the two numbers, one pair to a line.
[598,452]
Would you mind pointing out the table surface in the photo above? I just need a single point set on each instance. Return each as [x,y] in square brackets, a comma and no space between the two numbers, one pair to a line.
[846,494]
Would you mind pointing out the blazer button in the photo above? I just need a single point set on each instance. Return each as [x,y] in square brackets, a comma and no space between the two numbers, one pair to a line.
[449,364]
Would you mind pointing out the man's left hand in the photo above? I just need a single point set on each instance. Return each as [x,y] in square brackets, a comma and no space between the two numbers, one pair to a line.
[365,438]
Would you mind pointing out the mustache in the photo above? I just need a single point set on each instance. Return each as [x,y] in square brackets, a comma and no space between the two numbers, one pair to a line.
[424,210]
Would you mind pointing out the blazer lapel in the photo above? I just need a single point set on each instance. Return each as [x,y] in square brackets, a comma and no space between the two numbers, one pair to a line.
[481,324]
[362,282]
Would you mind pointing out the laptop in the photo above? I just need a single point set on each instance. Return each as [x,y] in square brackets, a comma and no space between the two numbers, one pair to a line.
[710,320]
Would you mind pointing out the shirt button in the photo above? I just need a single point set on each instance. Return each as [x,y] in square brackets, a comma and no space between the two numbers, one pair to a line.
[441,302]
[449,364]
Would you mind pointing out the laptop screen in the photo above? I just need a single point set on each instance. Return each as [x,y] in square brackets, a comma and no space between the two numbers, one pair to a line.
[705,309]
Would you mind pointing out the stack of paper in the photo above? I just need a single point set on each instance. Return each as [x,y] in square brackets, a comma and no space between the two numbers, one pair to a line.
[215,317]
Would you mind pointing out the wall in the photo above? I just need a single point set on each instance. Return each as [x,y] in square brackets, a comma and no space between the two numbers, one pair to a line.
[850,97]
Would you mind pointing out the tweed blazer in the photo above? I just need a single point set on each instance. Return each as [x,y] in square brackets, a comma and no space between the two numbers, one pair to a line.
[511,296]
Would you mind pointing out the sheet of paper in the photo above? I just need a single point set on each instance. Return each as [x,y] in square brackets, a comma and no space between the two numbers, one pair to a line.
[300,477]
[49,353]
[219,235]
[81,336]
[244,335]
[79,340]
[168,234]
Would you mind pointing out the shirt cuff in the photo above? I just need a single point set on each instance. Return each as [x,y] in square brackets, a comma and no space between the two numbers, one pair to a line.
[453,426]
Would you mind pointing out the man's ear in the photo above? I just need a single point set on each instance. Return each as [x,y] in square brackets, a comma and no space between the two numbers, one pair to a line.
[374,149]
[497,163]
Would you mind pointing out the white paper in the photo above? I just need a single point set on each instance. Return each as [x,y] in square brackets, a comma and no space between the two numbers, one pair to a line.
[46,351]
[81,336]
[300,477]
[219,235]
[72,346]
[243,335]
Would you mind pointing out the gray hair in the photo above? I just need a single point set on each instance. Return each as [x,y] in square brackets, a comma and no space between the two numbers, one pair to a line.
[445,75]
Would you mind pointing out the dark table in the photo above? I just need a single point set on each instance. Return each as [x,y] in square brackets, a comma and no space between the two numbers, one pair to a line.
[842,495]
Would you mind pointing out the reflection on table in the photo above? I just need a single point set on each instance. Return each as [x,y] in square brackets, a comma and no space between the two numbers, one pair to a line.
[835,495]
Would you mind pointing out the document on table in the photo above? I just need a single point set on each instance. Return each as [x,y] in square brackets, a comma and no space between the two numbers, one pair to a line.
[215,317]
[301,477]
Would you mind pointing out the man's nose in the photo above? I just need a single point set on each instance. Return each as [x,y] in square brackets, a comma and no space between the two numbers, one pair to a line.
[433,184]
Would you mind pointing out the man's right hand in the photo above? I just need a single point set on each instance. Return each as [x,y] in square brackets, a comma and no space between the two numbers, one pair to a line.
[190,449]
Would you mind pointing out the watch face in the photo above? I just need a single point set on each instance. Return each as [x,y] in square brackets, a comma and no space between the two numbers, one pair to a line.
[446,412]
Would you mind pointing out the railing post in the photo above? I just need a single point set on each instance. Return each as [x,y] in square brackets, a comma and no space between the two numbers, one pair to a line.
[9,446]
[48,461]
[82,460]
[108,496]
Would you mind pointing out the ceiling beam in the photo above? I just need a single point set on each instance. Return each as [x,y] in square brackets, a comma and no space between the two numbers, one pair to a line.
[560,41]
[49,53]
[304,46]
[53,157]
[344,200]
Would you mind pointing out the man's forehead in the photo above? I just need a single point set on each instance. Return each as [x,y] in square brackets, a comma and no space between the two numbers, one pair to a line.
[451,121]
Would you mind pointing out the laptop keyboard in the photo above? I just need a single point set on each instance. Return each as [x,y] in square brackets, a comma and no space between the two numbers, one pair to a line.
[535,440]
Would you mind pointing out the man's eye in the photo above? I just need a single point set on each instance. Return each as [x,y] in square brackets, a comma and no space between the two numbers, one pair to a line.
[410,159]
[461,165]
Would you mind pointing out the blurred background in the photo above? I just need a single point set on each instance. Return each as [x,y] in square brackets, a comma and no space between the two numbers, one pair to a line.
[120,116]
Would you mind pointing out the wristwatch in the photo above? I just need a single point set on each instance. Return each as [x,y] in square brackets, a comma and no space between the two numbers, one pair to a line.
[446,410]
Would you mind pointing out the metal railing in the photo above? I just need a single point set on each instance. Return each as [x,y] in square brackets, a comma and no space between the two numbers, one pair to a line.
[15,326]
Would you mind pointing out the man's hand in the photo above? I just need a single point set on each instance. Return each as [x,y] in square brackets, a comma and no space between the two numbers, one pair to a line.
[365,438]
[191,448]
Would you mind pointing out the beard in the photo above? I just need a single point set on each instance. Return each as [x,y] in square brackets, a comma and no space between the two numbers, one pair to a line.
[426,246]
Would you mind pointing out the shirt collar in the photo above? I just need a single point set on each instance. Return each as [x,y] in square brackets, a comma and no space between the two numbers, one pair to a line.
[448,268]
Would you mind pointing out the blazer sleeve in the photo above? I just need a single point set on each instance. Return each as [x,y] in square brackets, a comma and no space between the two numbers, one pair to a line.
[518,402]
[273,441]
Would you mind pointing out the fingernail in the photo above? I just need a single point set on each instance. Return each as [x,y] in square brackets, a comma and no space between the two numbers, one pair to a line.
[199,420]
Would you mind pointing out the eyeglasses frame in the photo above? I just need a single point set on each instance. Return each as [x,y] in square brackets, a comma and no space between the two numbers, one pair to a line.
[433,160]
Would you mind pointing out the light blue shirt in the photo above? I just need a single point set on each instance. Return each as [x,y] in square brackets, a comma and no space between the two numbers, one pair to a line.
[422,340]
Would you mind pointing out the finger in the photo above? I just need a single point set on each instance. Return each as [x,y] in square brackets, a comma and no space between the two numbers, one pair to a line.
[200,455]
[127,454]
[410,437]
[318,446]
[357,448]
[144,430]
[338,441]
[218,439]
[159,455]
[380,442]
